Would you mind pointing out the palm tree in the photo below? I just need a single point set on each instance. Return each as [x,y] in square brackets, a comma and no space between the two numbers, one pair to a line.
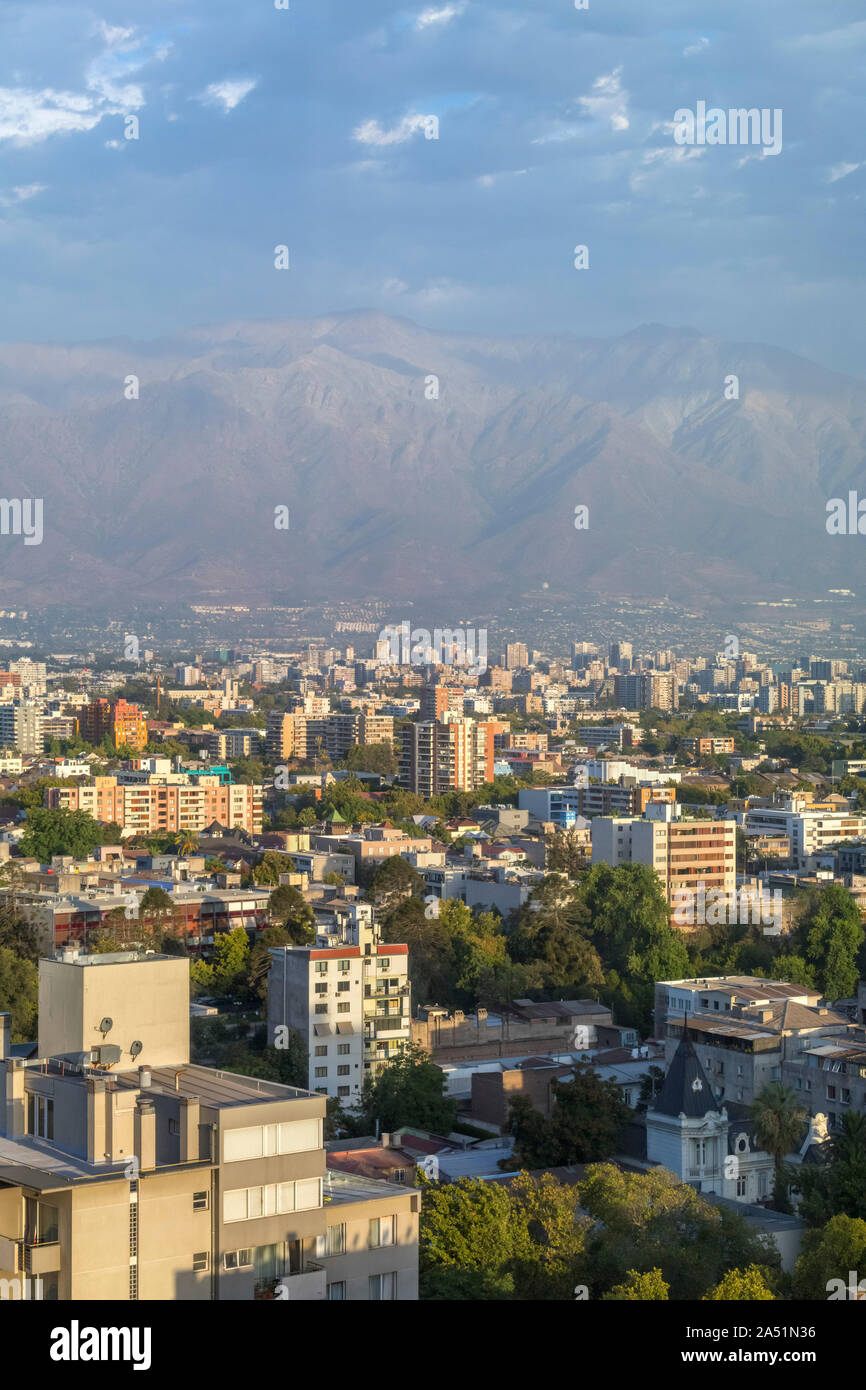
[779,1119]
[186,842]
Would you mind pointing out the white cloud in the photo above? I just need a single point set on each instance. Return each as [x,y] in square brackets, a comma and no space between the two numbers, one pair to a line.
[21,194]
[488,180]
[371,133]
[27,116]
[609,102]
[700,46]
[228,94]
[443,15]
[841,171]
[114,35]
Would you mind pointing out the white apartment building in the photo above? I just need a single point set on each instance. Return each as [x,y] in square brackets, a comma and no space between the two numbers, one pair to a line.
[686,854]
[348,996]
[809,829]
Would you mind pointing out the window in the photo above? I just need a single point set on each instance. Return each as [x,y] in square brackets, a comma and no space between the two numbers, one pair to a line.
[321,1071]
[343,986]
[200,1201]
[333,1242]
[344,1008]
[322,1051]
[382,1286]
[344,966]
[741,1187]
[201,1261]
[238,1259]
[321,1008]
[262,1141]
[831,1092]
[343,1071]
[247,1203]
[321,967]
[174,1126]
[40,1116]
[337,1292]
[343,1049]
[385,964]
[321,989]
[342,1090]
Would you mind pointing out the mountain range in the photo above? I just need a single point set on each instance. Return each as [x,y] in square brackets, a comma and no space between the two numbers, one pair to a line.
[415,463]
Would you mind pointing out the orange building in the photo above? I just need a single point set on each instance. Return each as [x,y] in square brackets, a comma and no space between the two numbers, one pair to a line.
[128,726]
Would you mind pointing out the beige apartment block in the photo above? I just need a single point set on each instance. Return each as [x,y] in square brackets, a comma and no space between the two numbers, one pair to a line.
[174,1181]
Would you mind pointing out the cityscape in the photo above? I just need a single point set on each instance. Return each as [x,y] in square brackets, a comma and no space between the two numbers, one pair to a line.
[432,670]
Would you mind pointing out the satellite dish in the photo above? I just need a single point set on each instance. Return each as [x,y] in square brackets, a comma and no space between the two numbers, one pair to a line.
[135,1048]
[106,1026]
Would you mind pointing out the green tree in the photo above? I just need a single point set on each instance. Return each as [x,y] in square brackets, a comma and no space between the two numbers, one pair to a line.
[829,1254]
[392,881]
[230,957]
[587,1116]
[832,935]
[779,1120]
[741,1286]
[640,1288]
[647,1221]
[549,937]
[410,1090]
[372,757]
[837,1187]
[19,994]
[50,832]
[288,909]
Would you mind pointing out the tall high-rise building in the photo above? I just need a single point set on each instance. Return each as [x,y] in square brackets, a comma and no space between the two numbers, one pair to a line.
[516,654]
[446,755]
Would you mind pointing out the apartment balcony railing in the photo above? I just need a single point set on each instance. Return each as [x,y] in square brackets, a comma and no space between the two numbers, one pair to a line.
[29,1257]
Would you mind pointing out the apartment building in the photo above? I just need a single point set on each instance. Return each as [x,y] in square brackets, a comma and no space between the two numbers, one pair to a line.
[127,1182]
[647,690]
[301,735]
[128,726]
[162,807]
[809,827]
[446,755]
[438,700]
[373,844]
[709,746]
[686,854]
[348,996]
[22,726]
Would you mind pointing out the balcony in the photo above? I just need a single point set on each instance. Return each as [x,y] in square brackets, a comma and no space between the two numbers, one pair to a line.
[307,1285]
[29,1257]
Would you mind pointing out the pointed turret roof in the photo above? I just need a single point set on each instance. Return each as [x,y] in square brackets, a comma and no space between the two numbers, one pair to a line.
[686,1089]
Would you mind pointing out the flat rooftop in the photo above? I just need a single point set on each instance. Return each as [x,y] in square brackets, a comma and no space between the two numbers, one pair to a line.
[222,1089]
[110,958]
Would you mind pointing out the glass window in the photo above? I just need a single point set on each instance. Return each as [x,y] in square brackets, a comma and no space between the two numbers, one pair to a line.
[337,1292]
[286,1196]
[201,1261]
[235,1205]
[308,1194]
[200,1201]
[242,1143]
[373,1241]
[300,1136]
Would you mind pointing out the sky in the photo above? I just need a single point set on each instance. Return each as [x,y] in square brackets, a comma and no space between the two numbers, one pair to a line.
[310,127]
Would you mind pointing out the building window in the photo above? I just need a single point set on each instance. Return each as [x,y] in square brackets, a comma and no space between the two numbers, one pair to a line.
[384,964]
[343,1071]
[322,989]
[40,1116]
[321,967]
[337,1292]
[344,1008]
[321,1008]
[383,1286]
[343,1049]
[741,1187]
[200,1201]
[343,1090]
[332,1243]
[200,1262]
[343,986]
[263,1141]
[321,1071]
[247,1203]
[321,1051]
[238,1259]
[174,1126]
[344,966]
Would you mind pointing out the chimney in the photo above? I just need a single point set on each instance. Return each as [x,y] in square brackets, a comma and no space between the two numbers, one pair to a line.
[190,1111]
[144,1078]
[386,1141]
[145,1134]
[5,1036]
[16,1113]
[97,1136]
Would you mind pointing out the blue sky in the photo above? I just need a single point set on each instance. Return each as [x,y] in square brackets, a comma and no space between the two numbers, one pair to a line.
[305,126]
